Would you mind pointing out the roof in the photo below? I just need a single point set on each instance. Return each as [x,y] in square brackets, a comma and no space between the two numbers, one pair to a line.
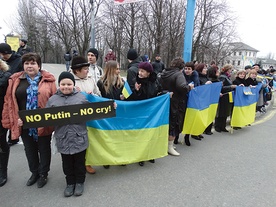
[242,46]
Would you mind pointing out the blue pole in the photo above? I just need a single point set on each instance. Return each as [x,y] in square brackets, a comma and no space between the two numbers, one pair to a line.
[189,30]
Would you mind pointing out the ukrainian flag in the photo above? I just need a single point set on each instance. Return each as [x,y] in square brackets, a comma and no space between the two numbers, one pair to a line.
[126,90]
[139,132]
[201,108]
[244,110]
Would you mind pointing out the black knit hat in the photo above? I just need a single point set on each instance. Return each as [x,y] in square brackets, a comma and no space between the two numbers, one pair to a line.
[79,62]
[24,40]
[5,48]
[94,51]
[132,54]
[64,75]
[146,66]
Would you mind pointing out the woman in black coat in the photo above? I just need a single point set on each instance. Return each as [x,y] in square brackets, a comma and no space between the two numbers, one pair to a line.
[174,81]
[4,147]
[224,105]
[240,78]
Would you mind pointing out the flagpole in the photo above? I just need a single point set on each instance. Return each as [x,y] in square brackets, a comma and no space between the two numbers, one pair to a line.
[189,30]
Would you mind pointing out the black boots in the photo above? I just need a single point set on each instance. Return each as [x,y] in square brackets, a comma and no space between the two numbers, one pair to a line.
[187,140]
[176,139]
[4,159]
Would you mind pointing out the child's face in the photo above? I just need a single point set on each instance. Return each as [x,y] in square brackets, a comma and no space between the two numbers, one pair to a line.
[66,86]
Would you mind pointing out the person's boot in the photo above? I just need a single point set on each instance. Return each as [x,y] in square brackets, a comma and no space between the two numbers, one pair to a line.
[187,140]
[4,159]
[171,150]
[175,141]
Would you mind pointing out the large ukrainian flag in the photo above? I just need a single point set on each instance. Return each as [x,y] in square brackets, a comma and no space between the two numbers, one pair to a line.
[244,110]
[139,132]
[201,108]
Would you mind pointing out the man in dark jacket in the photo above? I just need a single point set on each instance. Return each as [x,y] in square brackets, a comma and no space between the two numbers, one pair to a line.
[13,59]
[132,71]
[158,65]
[24,48]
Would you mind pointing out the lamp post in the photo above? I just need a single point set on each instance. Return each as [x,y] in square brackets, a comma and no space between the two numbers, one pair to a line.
[92,40]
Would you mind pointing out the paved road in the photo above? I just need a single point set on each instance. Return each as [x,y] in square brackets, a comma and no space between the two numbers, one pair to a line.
[224,170]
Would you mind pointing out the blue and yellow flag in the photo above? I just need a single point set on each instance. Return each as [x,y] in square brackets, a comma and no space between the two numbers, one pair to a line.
[244,110]
[126,90]
[139,132]
[201,108]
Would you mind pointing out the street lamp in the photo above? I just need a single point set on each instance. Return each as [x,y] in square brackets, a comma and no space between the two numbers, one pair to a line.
[92,40]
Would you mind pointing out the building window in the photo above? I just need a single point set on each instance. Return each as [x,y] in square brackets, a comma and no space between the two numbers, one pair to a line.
[240,53]
[233,62]
[249,54]
[234,53]
[239,62]
[246,53]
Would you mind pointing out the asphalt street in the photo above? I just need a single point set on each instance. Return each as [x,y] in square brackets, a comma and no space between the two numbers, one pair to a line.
[223,170]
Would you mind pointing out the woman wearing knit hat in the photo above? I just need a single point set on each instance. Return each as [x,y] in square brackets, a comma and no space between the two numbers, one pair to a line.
[71,139]
[84,82]
[145,86]
[145,83]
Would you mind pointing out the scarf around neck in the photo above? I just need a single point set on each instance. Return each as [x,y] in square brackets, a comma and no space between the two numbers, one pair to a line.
[32,101]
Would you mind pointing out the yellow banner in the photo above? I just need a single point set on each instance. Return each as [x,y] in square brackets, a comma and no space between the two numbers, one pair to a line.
[13,42]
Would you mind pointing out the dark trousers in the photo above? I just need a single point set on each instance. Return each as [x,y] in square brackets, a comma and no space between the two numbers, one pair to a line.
[4,147]
[74,167]
[209,128]
[220,122]
[38,153]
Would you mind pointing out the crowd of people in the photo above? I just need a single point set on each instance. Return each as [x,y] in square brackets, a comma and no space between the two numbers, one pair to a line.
[26,86]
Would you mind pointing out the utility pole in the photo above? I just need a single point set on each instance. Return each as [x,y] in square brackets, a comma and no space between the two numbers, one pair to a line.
[189,30]
[92,40]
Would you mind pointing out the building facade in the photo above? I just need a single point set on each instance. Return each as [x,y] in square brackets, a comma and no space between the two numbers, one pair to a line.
[241,55]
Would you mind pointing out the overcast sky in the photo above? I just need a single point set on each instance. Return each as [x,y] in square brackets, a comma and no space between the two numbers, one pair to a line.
[256,23]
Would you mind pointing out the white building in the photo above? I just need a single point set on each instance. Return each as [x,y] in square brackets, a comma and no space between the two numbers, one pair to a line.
[242,55]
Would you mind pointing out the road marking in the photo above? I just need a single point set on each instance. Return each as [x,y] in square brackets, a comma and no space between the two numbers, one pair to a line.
[266,118]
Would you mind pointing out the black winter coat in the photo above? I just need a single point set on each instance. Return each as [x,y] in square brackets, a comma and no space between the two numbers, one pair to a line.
[132,72]
[4,76]
[224,107]
[173,80]
[238,81]
[115,91]
[158,66]
[148,89]
[15,63]
[202,78]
